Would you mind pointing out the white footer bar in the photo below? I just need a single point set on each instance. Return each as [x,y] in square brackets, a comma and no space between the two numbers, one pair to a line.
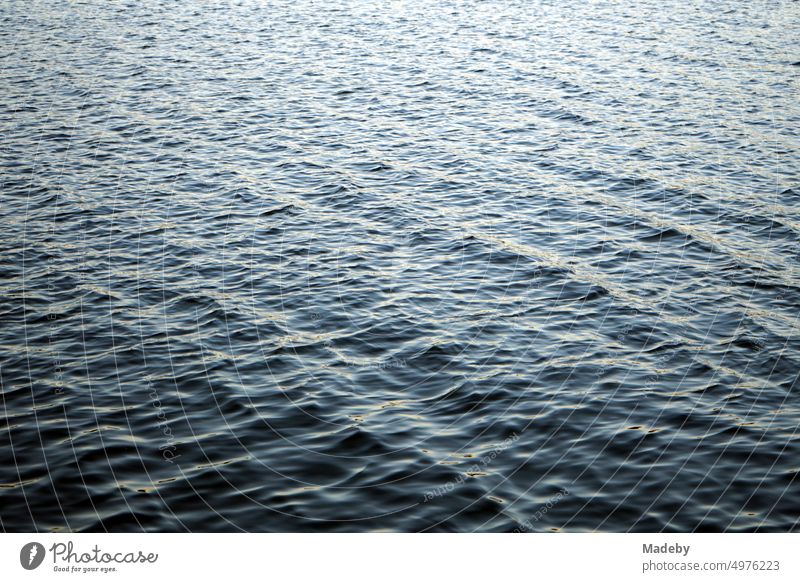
[371,557]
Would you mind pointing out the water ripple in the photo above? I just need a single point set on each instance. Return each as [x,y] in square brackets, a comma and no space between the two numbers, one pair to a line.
[281,266]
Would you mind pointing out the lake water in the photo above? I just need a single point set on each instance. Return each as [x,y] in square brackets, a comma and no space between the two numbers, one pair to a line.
[407,266]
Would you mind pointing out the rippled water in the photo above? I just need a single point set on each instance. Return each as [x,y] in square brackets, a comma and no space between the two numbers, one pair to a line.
[356,266]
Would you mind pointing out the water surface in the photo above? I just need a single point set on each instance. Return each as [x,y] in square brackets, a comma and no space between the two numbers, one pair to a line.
[408,266]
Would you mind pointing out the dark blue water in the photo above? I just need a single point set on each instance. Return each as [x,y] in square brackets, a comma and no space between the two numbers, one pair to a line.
[411,266]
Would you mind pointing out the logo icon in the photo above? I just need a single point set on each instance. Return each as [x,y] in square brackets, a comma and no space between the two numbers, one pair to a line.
[31,555]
